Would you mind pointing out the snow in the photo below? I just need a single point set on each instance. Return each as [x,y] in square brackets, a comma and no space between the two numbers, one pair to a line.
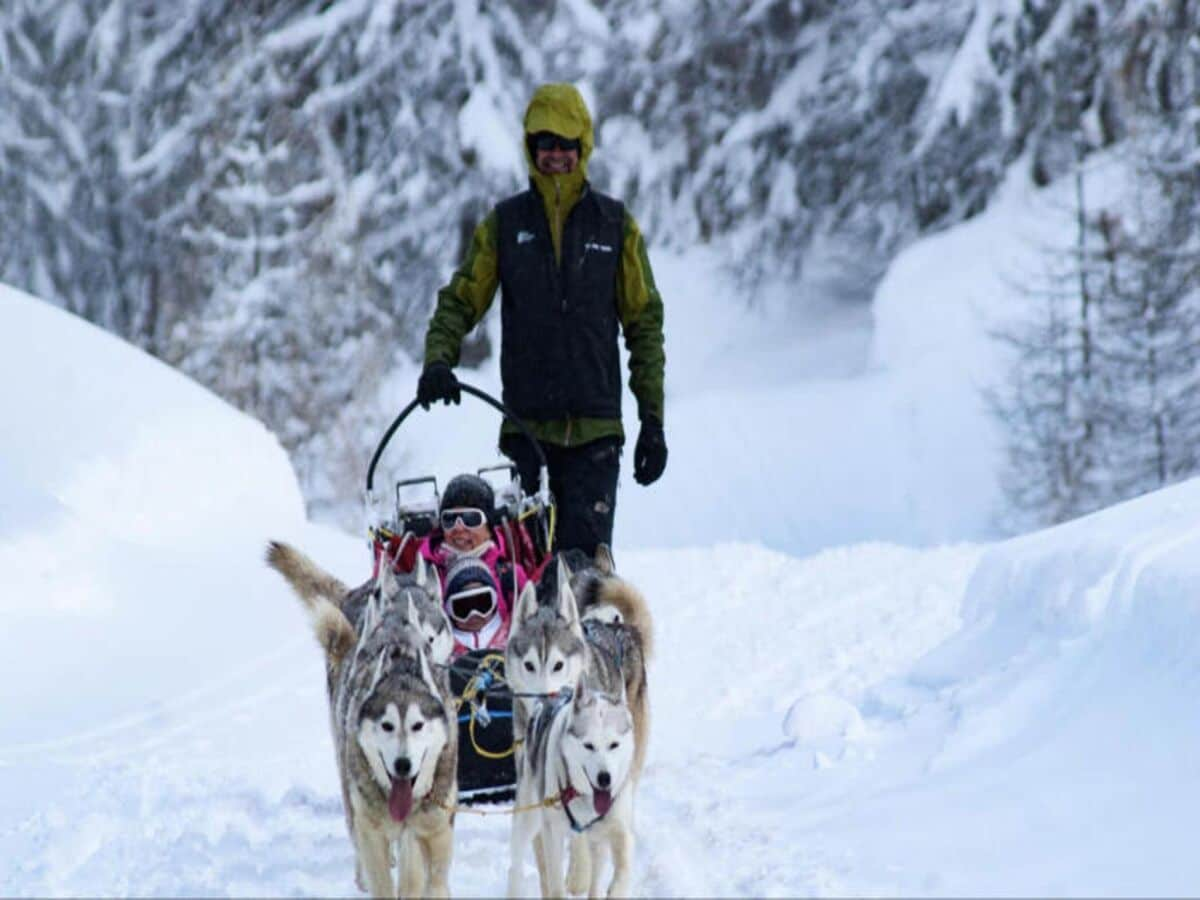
[490,132]
[970,69]
[853,694]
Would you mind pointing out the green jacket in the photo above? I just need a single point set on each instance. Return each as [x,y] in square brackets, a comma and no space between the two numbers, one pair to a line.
[466,299]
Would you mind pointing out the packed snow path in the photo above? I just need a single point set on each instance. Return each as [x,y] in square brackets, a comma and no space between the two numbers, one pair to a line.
[874,720]
[232,788]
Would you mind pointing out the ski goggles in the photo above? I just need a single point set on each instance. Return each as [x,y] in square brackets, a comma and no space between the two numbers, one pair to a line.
[476,602]
[469,516]
[545,141]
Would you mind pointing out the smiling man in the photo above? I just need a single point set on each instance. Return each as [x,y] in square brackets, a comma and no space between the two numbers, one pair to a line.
[573,274]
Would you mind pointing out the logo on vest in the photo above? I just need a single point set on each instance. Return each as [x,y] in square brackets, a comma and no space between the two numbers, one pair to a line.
[602,248]
[524,237]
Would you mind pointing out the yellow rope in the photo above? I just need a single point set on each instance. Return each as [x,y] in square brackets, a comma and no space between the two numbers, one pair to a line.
[486,754]
[487,663]
[510,811]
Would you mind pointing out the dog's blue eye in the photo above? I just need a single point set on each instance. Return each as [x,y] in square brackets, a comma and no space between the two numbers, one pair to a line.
[388,726]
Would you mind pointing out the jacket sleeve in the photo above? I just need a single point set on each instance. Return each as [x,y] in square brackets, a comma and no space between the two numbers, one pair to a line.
[641,312]
[465,300]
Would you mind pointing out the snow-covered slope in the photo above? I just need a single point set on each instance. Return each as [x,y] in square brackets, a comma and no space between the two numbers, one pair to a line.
[875,719]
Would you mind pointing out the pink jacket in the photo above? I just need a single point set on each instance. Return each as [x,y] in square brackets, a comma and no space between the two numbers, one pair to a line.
[495,559]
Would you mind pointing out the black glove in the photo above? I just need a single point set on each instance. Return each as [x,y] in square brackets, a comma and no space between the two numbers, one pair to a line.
[438,383]
[650,454]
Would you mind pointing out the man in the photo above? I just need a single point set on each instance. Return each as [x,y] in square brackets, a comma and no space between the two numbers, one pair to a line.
[572,268]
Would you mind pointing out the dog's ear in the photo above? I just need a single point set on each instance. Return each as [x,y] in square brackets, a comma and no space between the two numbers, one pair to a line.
[583,692]
[527,606]
[371,614]
[421,572]
[427,673]
[381,662]
[563,570]
[427,578]
[604,561]
[385,582]
[567,607]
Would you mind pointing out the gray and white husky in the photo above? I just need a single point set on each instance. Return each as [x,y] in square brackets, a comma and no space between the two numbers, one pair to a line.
[585,619]
[419,597]
[579,748]
[394,726]
[552,647]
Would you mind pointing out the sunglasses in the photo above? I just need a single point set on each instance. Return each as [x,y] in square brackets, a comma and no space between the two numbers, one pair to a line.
[469,516]
[477,602]
[545,141]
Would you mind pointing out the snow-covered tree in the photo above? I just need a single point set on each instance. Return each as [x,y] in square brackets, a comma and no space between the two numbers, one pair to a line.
[268,194]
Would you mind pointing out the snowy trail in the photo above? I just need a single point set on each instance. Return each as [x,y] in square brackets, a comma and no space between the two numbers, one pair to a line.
[872,720]
[233,788]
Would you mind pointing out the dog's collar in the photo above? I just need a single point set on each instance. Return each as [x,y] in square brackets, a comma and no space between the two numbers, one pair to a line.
[565,796]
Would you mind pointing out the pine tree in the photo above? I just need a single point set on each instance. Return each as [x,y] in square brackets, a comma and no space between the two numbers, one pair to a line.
[1048,407]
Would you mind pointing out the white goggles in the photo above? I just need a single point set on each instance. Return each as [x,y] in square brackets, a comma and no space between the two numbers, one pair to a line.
[472,603]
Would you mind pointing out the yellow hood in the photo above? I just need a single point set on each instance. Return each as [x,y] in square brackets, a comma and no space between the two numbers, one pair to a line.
[560,108]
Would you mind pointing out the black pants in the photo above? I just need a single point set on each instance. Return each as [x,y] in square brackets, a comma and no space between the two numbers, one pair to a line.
[583,480]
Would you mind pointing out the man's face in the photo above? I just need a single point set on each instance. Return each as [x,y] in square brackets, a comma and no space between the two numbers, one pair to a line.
[554,154]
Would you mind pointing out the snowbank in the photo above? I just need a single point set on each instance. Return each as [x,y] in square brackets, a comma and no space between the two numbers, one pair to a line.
[132,500]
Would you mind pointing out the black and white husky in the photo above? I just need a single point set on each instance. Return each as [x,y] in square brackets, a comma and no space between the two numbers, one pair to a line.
[394,725]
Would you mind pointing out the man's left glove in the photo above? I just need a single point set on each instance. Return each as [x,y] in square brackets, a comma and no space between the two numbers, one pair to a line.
[438,383]
[650,454]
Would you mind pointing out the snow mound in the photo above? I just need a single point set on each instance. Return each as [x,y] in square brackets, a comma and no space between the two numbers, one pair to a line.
[128,491]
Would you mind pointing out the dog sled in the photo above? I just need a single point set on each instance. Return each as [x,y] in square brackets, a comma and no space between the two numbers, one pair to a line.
[486,771]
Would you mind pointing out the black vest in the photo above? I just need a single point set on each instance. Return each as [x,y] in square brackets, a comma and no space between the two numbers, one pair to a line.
[558,349]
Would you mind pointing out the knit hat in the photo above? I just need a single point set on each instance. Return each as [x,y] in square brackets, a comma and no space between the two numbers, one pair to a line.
[469,491]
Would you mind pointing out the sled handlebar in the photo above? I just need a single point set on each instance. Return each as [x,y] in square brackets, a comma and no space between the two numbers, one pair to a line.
[543,469]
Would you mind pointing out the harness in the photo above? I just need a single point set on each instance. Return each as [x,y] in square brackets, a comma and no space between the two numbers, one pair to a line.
[610,640]
[569,793]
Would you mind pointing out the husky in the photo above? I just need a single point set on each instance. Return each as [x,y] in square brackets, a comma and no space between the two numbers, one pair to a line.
[580,749]
[552,646]
[585,618]
[394,725]
[418,594]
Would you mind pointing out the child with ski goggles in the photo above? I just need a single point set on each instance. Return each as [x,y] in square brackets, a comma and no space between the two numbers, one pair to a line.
[472,606]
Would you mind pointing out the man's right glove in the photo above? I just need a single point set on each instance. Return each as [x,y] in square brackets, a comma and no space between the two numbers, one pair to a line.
[438,383]
[650,454]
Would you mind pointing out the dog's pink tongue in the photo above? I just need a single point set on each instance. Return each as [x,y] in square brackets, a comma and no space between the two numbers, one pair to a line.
[601,800]
[400,799]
